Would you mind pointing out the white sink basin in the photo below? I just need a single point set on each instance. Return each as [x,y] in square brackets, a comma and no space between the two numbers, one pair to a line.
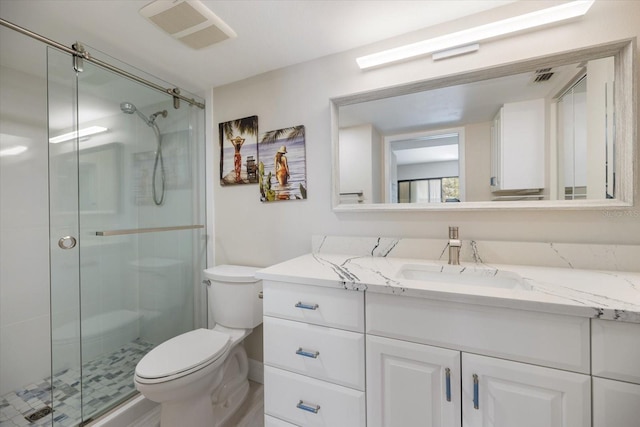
[463,275]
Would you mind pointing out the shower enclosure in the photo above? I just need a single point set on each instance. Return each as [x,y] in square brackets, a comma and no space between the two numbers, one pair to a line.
[125,230]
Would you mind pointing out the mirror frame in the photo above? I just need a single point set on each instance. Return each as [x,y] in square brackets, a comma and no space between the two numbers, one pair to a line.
[624,53]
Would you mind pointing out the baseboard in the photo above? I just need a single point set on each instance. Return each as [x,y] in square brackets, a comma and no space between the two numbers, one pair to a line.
[256,371]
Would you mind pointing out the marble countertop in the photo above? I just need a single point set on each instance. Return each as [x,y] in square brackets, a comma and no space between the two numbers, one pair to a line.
[611,295]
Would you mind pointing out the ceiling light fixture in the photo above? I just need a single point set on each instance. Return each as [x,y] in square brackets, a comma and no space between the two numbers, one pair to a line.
[77,134]
[470,37]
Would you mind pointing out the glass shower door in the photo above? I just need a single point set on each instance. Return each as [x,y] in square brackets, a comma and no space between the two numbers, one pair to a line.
[132,197]
[64,239]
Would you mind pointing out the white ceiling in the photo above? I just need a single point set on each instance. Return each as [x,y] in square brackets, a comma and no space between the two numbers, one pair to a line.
[271,34]
[453,106]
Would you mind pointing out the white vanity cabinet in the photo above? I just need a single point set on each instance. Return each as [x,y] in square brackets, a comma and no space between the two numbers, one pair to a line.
[411,342]
[438,363]
[517,146]
[616,371]
[314,356]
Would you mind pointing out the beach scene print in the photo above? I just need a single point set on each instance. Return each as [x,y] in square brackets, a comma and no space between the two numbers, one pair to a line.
[239,151]
[282,169]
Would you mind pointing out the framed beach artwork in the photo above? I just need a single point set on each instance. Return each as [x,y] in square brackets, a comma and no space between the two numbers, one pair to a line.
[239,151]
[282,168]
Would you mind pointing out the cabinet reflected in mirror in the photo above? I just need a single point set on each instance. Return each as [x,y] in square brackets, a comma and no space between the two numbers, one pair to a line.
[542,131]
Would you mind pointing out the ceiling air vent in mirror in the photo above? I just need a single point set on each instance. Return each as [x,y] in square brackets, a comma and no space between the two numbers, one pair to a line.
[542,75]
[189,21]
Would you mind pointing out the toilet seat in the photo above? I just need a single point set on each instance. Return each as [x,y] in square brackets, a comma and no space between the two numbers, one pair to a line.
[183,355]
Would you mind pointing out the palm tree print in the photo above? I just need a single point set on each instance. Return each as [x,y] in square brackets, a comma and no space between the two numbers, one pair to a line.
[291,133]
[236,133]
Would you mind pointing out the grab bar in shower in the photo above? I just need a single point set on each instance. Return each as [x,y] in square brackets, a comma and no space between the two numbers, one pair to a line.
[146,230]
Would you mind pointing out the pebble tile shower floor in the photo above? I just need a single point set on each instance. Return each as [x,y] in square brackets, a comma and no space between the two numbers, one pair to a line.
[105,380]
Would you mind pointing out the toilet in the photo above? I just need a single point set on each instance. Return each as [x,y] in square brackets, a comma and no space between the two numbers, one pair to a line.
[200,377]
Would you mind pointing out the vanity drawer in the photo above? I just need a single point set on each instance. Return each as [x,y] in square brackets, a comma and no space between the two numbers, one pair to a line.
[336,308]
[538,338]
[270,421]
[294,398]
[615,350]
[325,353]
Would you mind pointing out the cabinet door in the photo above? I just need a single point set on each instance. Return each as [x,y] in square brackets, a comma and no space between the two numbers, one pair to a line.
[615,403]
[411,384]
[496,134]
[501,393]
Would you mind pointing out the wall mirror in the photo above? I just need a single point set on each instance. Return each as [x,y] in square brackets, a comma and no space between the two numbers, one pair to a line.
[551,132]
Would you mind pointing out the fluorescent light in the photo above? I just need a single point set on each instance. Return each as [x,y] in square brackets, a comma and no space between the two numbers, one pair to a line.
[13,151]
[78,134]
[476,34]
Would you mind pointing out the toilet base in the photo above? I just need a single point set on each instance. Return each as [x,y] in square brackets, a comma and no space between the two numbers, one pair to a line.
[222,412]
[232,392]
[196,412]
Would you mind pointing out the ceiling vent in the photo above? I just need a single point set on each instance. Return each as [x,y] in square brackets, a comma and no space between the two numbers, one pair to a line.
[542,75]
[189,21]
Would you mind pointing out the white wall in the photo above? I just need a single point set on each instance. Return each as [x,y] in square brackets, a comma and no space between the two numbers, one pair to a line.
[249,232]
[478,162]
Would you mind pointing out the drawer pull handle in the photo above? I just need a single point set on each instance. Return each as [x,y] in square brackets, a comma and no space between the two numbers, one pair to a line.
[311,354]
[447,373]
[308,408]
[476,403]
[307,306]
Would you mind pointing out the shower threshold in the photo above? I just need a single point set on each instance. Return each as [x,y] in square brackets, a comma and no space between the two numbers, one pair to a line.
[106,381]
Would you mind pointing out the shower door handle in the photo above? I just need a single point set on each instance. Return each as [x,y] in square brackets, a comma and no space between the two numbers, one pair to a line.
[67,242]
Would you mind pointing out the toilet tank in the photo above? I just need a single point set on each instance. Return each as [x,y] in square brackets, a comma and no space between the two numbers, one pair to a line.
[234,296]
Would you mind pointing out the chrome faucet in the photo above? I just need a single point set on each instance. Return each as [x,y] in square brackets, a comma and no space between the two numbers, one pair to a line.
[454,246]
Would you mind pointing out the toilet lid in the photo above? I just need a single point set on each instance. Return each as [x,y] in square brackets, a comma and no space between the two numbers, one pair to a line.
[183,353]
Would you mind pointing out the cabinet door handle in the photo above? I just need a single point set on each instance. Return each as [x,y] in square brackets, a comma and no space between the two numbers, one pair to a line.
[447,376]
[311,354]
[307,306]
[309,408]
[476,403]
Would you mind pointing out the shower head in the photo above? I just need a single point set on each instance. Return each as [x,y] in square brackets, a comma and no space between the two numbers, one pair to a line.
[127,107]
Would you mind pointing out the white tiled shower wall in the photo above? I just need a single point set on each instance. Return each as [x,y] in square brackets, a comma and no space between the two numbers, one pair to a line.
[24,233]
